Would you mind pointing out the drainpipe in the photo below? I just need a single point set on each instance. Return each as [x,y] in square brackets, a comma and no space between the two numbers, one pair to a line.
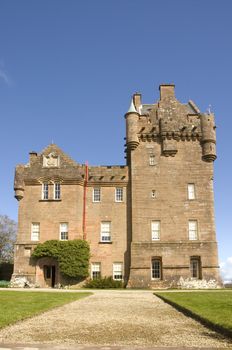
[84,200]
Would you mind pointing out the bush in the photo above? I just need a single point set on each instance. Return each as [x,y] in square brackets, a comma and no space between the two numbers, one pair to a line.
[72,256]
[103,283]
[4,284]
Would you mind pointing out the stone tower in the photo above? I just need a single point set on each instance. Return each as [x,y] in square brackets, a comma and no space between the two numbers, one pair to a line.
[149,223]
[170,150]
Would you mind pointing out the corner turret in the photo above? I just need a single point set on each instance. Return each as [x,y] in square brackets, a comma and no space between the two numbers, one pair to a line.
[132,117]
[208,140]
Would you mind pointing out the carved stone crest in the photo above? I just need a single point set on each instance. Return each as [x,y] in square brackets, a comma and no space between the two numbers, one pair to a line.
[51,160]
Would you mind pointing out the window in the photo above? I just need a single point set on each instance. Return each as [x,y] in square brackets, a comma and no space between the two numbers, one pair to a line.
[193,235]
[156,268]
[105,231]
[97,194]
[56,190]
[153,194]
[45,191]
[118,194]
[191,191]
[64,231]
[35,231]
[117,271]
[96,270]
[152,159]
[155,230]
[195,267]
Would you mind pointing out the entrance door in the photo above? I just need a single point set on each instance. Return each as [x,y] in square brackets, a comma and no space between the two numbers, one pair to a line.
[50,275]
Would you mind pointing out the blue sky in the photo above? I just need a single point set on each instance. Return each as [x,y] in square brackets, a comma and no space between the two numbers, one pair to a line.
[68,70]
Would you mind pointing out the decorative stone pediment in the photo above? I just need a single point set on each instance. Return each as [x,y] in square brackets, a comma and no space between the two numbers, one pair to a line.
[52,160]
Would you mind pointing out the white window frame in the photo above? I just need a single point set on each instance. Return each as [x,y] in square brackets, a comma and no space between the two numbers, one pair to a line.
[95,270]
[193,230]
[45,190]
[57,190]
[191,191]
[151,159]
[35,231]
[105,231]
[154,269]
[119,194]
[118,271]
[155,230]
[63,232]
[97,194]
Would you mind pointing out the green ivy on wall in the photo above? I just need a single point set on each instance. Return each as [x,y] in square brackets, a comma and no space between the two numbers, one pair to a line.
[72,256]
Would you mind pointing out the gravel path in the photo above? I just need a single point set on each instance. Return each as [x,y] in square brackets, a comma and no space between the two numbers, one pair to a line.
[114,318]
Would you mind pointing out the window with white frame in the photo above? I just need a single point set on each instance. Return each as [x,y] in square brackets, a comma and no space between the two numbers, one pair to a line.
[96,194]
[63,231]
[95,270]
[191,191]
[118,194]
[155,230]
[56,190]
[105,231]
[195,267]
[156,268]
[35,231]
[151,159]
[193,232]
[117,271]
[45,191]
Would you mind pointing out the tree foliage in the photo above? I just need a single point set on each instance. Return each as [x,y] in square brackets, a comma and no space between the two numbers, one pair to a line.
[8,230]
[72,256]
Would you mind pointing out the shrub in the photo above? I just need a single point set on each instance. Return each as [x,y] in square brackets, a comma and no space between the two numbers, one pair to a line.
[103,283]
[4,284]
[72,256]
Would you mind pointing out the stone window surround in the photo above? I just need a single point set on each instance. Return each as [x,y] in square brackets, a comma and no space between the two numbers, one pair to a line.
[118,271]
[156,268]
[51,191]
[95,270]
[105,234]
[193,232]
[118,194]
[35,231]
[155,230]
[63,231]
[191,191]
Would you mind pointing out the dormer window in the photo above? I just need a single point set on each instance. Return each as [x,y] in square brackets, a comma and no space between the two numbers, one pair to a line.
[45,191]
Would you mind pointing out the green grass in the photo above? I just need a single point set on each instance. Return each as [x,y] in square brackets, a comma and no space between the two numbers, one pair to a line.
[212,307]
[16,306]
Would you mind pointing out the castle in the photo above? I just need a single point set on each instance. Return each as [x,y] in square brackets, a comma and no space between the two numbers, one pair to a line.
[149,222]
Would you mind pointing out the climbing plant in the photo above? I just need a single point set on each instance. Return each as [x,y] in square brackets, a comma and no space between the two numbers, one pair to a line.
[72,256]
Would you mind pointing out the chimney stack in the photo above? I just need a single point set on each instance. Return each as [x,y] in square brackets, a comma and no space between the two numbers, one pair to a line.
[167,90]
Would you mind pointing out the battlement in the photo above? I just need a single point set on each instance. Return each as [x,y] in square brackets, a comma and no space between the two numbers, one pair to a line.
[169,121]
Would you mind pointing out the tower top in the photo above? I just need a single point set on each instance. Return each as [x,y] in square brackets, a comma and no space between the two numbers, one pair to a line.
[167,90]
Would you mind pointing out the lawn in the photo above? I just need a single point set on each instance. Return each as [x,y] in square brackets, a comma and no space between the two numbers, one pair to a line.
[16,306]
[212,307]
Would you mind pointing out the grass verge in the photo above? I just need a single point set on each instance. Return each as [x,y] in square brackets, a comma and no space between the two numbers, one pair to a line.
[213,309]
[16,306]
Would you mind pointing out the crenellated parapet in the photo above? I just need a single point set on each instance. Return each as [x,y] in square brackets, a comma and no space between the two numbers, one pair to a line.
[169,122]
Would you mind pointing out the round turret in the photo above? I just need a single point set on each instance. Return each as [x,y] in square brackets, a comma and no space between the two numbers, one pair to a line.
[132,117]
[208,140]
[19,193]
